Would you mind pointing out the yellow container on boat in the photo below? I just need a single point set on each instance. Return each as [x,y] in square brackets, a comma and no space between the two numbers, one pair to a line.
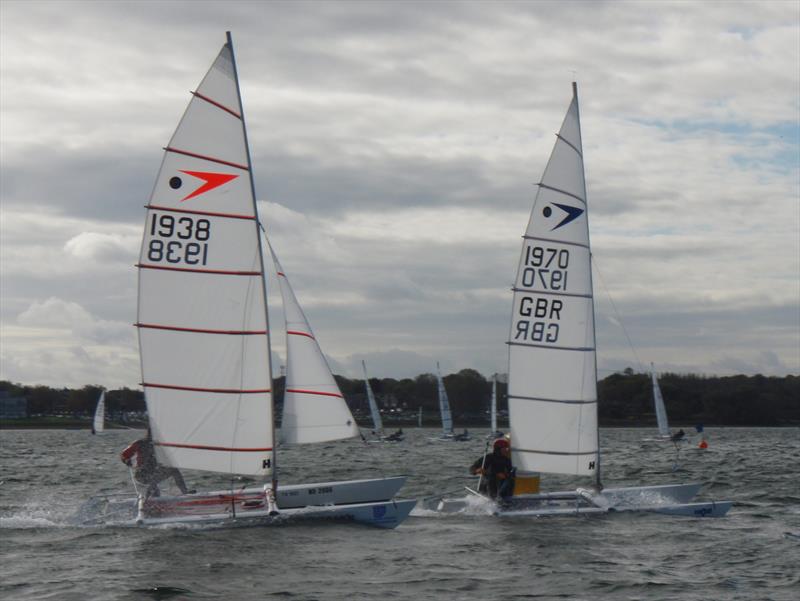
[526,483]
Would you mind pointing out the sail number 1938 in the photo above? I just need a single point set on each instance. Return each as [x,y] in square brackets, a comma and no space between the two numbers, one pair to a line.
[191,246]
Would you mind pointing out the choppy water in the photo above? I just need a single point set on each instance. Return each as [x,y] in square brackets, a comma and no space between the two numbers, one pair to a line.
[751,554]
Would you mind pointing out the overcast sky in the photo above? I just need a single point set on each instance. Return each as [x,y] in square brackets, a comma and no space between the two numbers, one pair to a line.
[395,147]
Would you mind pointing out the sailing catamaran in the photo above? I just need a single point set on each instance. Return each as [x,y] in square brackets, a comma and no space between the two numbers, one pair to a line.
[552,379]
[377,422]
[444,410]
[99,421]
[204,338]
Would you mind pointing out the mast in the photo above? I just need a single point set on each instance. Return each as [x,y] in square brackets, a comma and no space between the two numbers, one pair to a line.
[229,38]
[598,481]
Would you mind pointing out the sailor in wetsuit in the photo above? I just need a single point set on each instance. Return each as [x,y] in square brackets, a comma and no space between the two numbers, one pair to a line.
[148,472]
[497,471]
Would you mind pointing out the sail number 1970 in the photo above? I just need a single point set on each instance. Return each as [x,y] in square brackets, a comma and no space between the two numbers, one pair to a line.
[191,246]
[545,268]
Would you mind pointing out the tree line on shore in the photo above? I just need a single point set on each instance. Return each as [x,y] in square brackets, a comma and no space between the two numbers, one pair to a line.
[626,398]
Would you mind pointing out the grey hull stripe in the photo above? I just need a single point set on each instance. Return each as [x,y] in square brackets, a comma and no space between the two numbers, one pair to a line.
[564,192]
[567,402]
[526,237]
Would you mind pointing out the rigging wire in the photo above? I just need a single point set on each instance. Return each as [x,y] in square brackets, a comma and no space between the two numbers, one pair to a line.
[617,315]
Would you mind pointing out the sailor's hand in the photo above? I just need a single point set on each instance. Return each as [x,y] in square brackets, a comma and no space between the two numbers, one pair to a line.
[502,476]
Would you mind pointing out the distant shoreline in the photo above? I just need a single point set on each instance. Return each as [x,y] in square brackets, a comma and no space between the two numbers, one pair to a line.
[53,423]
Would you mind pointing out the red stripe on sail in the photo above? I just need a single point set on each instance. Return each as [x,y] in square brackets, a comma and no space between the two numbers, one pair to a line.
[199,447]
[206,213]
[201,331]
[217,390]
[336,394]
[217,104]
[295,333]
[205,158]
[186,269]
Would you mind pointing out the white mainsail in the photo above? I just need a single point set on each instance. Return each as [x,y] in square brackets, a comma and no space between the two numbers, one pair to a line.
[99,423]
[377,423]
[202,317]
[661,411]
[552,381]
[314,409]
[444,405]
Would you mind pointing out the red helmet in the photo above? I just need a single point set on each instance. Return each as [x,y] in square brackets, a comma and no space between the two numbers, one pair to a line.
[501,443]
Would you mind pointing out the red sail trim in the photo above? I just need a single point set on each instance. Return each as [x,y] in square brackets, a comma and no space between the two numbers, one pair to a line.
[217,390]
[217,104]
[205,158]
[186,269]
[336,394]
[191,212]
[280,273]
[296,333]
[202,331]
[199,447]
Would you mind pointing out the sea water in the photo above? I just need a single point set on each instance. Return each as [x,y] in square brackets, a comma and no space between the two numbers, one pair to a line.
[752,554]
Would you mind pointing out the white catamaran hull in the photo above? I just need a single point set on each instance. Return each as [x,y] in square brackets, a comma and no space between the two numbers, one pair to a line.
[383,514]
[354,497]
[673,499]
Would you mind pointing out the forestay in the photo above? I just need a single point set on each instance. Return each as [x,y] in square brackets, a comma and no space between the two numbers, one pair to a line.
[202,310]
[552,387]
[444,404]
[661,411]
[314,409]
[377,423]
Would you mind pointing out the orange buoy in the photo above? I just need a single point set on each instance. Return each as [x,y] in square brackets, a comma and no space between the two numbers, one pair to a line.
[703,444]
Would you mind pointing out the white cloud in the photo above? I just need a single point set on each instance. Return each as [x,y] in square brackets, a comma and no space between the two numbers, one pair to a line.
[397,143]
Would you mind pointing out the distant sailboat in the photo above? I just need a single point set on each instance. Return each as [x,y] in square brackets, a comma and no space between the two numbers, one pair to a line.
[661,411]
[444,410]
[99,421]
[664,432]
[204,339]
[377,422]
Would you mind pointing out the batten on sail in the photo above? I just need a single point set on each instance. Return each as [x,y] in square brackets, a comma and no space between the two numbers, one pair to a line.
[202,321]
[314,409]
[552,387]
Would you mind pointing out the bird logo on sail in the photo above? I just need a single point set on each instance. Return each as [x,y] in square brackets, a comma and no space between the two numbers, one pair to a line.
[212,180]
[572,213]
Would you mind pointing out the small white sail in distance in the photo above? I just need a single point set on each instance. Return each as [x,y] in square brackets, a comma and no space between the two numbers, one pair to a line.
[377,423]
[658,401]
[552,380]
[202,318]
[314,409]
[444,404]
[99,422]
